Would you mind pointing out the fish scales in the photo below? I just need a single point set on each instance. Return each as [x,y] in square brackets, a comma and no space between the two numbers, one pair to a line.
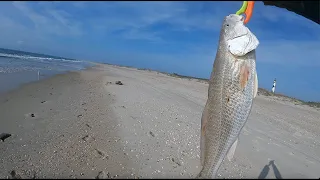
[232,87]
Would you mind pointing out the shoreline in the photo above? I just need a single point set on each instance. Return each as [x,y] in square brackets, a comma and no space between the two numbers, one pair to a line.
[48,121]
[15,80]
[261,91]
[83,125]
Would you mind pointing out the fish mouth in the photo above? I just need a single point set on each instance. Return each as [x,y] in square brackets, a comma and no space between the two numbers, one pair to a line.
[235,18]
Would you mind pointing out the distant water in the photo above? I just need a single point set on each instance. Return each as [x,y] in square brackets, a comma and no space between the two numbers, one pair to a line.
[18,67]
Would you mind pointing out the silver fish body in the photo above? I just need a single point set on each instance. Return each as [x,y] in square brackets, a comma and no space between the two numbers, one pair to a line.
[233,85]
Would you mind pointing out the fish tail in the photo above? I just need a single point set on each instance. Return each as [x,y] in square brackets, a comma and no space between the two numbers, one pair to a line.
[207,173]
[210,173]
[200,175]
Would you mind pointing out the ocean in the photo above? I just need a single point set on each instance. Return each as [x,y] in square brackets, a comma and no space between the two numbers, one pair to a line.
[19,67]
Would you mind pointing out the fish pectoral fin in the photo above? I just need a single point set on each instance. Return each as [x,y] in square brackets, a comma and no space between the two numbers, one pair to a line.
[255,90]
[232,150]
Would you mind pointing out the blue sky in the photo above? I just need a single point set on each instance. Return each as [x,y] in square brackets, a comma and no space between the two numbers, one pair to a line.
[179,37]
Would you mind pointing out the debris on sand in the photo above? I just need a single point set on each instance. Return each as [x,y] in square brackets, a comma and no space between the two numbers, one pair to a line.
[88,138]
[108,83]
[175,160]
[14,175]
[152,134]
[32,115]
[4,136]
[103,175]
[88,126]
[119,83]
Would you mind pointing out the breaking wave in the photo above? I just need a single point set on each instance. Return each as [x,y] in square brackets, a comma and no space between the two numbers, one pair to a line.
[16,56]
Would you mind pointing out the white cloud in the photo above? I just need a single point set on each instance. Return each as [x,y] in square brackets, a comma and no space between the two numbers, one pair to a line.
[137,16]
[53,21]
[290,53]
[136,21]
[132,18]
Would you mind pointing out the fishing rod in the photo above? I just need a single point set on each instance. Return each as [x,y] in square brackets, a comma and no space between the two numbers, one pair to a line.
[307,9]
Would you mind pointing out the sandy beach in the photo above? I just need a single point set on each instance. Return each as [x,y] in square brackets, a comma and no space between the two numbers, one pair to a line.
[84,125]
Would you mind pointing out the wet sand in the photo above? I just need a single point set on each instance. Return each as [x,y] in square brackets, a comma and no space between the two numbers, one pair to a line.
[83,125]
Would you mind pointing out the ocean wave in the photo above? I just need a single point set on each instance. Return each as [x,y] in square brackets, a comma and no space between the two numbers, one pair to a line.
[37,58]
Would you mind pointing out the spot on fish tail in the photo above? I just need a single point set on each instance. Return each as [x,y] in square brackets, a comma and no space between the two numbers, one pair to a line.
[244,76]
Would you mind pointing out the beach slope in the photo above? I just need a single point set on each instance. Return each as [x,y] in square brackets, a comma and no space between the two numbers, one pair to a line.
[85,125]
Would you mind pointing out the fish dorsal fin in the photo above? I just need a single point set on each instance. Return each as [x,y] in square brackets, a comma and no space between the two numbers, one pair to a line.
[255,88]
[232,150]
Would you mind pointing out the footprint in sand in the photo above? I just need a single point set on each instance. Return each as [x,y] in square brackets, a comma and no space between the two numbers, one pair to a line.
[88,138]
[101,154]
[108,83]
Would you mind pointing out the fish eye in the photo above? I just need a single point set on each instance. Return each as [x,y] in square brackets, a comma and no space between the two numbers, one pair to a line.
[227,25]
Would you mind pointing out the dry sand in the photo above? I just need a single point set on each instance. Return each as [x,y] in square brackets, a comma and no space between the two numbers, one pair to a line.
[85,126]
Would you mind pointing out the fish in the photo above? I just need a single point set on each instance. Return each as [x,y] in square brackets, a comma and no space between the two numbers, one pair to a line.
[232,87]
